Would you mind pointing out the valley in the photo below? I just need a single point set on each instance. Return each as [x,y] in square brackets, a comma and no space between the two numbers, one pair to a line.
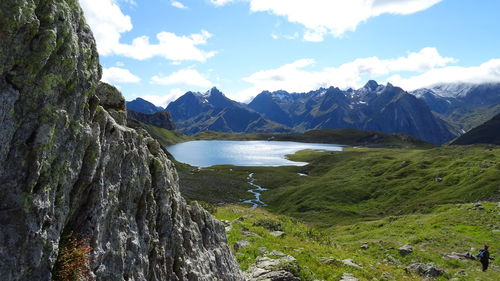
[116,163]
[383,198]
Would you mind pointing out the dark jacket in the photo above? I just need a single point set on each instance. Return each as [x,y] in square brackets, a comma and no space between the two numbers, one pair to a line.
[484,255]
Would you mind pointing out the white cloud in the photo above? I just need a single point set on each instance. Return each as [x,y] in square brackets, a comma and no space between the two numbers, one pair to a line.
[485,73]
[287,37]
[118,75]
[427,66]
[108,22]
[164,100]
[322,17]
[178,4]
[169,46]
[221,2]
[186,77]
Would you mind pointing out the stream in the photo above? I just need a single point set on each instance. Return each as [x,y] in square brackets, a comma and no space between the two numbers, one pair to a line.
[256,192]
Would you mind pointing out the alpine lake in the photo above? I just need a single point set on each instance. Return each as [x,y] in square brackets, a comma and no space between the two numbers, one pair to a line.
[205,153]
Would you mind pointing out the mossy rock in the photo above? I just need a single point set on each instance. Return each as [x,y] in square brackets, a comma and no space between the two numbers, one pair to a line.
[110,97]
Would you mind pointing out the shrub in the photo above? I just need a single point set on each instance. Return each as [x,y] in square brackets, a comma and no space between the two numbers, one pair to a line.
[73,261]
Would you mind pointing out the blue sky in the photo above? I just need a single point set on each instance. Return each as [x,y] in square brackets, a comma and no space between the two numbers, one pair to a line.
[246,46]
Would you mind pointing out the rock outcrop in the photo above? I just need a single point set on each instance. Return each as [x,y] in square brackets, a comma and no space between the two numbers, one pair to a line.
[426,270]
[69,164]
[272,269]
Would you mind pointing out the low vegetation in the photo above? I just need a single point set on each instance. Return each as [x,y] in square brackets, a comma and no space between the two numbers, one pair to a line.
[320,251]
[73,261]
[163,136]
[363,184]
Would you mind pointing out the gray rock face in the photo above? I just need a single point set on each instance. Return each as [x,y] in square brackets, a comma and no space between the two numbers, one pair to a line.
[68,164]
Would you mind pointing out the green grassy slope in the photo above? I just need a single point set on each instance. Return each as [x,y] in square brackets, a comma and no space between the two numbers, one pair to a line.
[488,132]
[163,136]
[364,184]
[448,228]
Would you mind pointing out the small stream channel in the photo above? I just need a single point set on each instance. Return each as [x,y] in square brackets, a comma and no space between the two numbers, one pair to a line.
[256,192]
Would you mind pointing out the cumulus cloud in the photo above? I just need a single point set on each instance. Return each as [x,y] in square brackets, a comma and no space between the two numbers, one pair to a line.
[164,100]
[118,75]
[427,66]
[108,22]
[186,77]
[322,17]
[178,4]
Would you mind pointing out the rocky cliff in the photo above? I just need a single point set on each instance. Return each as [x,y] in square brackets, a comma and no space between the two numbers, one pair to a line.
[70,165]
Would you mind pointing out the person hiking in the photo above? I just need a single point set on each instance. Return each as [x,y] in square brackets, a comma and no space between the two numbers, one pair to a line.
[484,257]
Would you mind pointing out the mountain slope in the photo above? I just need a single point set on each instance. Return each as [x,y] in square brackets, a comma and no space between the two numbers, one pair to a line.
[159,119]
[196,112]
[143,106]
[489,132]
[374,107]
[464,106]
[70,168]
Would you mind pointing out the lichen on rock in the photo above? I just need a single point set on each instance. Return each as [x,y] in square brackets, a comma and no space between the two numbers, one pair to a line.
[69,164]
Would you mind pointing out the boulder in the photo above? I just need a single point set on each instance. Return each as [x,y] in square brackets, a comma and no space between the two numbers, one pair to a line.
[241,244]
[425,270]
[459,256]
[350,262]
[277,233]
[406,250]
[268,269]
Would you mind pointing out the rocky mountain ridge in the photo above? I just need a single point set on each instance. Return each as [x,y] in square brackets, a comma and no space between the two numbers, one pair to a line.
[69,165]
[196,112]
[386,108]
[463,105]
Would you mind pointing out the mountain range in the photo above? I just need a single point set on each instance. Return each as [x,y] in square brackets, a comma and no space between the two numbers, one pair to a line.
[464,106]
[196,112]
[436,115]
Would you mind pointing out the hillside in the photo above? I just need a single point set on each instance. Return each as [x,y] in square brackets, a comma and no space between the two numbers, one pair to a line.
[358,183]
[342,136]
[361,184]
[159,119]
[489,132]
[163,136]
[439,237]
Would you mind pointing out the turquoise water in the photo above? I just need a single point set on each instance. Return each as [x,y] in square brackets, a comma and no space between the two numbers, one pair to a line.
[242,153]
